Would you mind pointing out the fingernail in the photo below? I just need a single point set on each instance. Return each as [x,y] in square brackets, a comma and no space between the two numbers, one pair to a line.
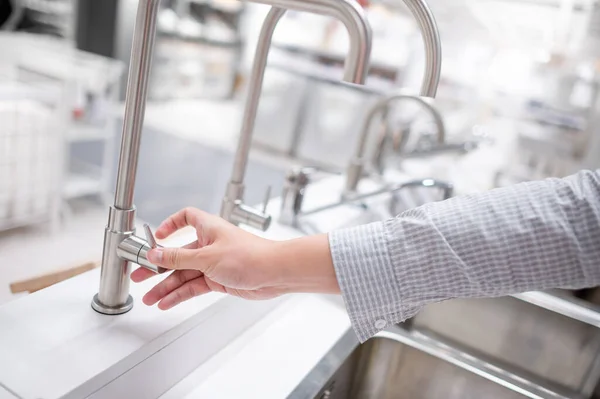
[155,255]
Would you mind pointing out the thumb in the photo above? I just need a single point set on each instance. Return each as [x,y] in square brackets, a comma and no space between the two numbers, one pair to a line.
[175,258]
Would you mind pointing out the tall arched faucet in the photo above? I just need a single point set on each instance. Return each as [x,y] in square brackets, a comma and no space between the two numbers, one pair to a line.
[351,14]
[121,246]
[357,163]
[431,79]
[298,179]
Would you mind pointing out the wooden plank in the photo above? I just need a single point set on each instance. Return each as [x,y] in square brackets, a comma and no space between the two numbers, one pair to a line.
[44,281]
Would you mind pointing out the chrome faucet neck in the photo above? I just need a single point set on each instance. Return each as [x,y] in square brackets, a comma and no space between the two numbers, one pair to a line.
[351,14]
[358,162]
[121,247]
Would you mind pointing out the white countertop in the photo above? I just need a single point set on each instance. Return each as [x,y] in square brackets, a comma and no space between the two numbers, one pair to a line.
[52,343]
[270,362]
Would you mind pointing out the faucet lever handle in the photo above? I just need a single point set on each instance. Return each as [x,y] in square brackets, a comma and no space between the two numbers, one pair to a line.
[150,236]
[267,199]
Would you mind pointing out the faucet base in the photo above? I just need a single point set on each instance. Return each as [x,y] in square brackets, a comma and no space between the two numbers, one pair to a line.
[110,310]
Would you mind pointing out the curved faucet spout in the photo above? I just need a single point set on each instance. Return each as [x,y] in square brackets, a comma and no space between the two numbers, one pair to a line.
[433,46]
[353,17]
[349,12]
[357,163]
[433,66]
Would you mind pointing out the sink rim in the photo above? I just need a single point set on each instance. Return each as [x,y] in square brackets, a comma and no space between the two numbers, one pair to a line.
[510,377]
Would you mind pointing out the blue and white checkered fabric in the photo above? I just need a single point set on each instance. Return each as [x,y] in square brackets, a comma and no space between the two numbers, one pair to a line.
[528,237]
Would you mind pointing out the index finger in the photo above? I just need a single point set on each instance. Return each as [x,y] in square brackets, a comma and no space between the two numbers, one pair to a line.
[177,221]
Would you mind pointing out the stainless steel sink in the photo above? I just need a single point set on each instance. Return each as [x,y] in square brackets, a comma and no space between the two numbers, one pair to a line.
[417,364]
[542,342]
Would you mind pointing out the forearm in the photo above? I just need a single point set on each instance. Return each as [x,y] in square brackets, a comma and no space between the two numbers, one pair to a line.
[531,236]
[305,265]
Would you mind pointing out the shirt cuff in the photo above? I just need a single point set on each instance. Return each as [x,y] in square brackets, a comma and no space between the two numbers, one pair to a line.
[367,280]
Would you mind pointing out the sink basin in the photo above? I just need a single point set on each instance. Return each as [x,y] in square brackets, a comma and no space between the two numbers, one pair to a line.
[417,364]
[542,342]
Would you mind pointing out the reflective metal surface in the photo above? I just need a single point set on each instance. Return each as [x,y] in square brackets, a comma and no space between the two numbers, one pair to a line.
[353,17]
[114,275]
[135,101]
[433,47]
[135,249]
[100,307]
[113,295]
[401,363]
[358,162]
[540,342]
[398,202]
[150,236]
[565,305]
[292,198]
[392,190]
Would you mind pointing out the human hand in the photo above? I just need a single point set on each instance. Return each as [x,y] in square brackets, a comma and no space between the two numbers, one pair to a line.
[227,259]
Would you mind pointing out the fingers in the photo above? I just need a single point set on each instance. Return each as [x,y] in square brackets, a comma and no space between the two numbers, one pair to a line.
[178,258]
[179,220]
[142,274]
[187,291]
[168,285]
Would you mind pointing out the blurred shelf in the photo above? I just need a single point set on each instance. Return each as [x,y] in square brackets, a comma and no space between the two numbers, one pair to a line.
[81,133]
[20,221]
[79,185]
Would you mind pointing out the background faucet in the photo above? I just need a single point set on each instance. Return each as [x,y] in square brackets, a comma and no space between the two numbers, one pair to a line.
[351,14]
[433,45]
[299,178]
[433,66]
[357,163]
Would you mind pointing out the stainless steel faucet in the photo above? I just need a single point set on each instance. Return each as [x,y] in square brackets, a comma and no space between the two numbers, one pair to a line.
[121,245]
[433,45]
[294,189]
[433,66]
[299,178]
[351,14]
[358,162]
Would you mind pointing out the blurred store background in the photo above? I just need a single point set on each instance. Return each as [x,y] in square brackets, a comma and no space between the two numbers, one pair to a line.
[519,84]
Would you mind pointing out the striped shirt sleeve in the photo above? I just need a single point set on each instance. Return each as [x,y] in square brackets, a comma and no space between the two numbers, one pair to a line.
[528,237]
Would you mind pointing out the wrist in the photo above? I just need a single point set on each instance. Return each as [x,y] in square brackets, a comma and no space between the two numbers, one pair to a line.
[305,265]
